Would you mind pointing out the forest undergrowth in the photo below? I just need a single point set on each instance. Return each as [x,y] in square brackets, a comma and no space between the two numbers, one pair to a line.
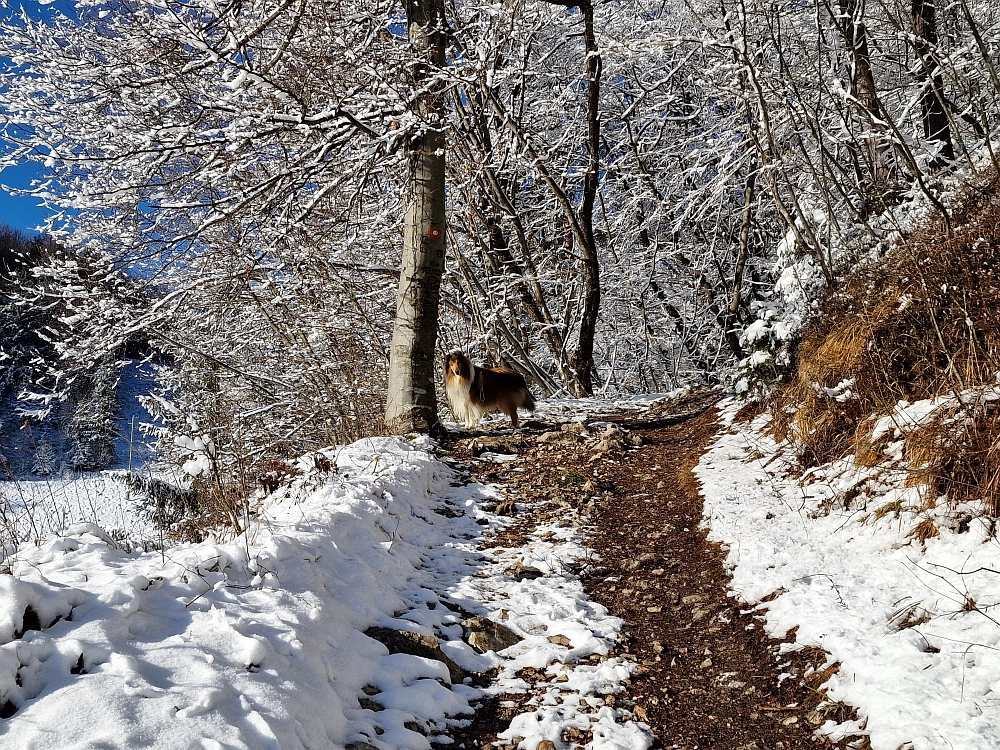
[900,367]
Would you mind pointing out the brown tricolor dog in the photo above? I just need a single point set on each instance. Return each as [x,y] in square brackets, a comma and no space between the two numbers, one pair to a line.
[475,391]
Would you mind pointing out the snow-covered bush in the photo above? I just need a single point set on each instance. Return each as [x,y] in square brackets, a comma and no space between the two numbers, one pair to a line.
[173,509]
[769,362]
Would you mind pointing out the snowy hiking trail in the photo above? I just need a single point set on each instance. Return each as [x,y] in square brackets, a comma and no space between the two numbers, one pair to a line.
[709,673]
[613,619]
[706,674]
[261,642]
[763,607]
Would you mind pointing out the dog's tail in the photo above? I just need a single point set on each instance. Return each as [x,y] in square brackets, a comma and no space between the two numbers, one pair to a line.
[529,400]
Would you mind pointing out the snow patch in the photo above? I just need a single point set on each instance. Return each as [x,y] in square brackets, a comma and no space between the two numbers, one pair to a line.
[911,624]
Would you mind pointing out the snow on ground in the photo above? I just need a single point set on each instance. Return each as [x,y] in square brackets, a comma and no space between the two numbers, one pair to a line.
[33,507]
[561,630]
[913,624]
[259,642]
[579,409]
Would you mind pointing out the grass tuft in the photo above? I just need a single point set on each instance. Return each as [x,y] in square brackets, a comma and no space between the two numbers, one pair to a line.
[923,531]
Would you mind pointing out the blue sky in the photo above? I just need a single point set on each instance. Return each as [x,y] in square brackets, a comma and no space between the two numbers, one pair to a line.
[18,211]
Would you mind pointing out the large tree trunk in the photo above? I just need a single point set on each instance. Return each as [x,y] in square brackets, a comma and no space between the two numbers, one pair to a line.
[731,317]
[932,102]
[850,23]
[411,405]
[583,358]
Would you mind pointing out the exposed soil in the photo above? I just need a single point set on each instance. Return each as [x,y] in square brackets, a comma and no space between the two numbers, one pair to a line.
[709,677]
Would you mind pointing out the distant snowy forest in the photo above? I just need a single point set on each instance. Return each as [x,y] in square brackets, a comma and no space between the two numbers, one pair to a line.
[47,426]
[640,195]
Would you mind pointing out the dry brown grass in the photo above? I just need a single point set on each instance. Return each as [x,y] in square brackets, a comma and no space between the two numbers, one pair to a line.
[920,322]
[958,455]
[923,531]
[750,411]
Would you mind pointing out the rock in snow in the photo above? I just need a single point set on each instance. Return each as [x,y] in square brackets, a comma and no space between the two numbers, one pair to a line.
[485,635]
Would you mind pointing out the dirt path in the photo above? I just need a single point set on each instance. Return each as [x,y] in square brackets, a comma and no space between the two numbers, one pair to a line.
[712,677]
[709,677]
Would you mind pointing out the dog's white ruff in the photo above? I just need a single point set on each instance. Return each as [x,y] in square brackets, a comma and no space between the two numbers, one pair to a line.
[458,390]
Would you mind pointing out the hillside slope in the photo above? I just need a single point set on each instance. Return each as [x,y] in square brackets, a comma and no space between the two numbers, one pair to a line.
[859,507]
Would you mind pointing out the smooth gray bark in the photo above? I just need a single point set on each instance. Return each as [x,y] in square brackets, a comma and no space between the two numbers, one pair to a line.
[411,403]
